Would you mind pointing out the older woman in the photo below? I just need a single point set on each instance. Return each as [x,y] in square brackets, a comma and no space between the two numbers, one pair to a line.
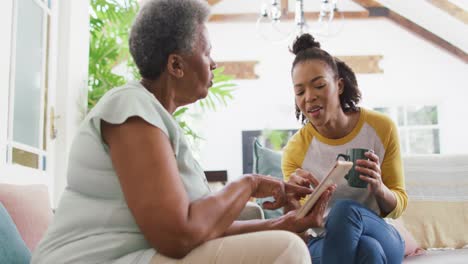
[135,193]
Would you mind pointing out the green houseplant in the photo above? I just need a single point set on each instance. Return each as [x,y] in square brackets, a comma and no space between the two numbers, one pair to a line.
[110,63]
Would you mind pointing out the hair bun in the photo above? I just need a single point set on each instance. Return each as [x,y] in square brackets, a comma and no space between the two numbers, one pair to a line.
[304,42]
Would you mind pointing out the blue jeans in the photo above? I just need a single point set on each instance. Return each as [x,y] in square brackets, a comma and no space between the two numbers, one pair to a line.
[355,234]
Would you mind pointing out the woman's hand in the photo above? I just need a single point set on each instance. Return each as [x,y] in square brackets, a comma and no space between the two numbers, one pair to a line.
[264,186]
[303,178]
[300,177]
[385,198]
[371,174]
[315,218]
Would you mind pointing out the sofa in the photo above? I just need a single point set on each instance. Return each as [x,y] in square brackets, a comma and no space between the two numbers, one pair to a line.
[436,216]
[25,214]
[435,223]
[437,212]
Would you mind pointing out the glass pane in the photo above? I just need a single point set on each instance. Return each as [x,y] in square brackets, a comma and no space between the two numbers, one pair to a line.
[44,163]
[422,115]
[401,116]
[29,54]
[404,149]
[424,141]
[383,110]
[25,158]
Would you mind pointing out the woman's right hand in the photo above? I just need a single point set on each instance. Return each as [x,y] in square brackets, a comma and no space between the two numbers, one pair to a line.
[303,178]
[264,186]
[315,218]
[300,177]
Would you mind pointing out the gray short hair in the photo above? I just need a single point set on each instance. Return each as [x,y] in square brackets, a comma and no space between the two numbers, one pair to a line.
[163,27]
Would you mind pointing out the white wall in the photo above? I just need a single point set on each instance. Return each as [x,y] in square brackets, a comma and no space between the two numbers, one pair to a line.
[415,71]
[72,78]
[434,19]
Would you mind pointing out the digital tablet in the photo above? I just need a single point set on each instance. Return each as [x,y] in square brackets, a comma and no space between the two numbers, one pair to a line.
[338,171]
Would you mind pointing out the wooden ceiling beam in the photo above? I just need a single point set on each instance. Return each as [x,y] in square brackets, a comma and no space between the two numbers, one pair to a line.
[377,10]
[427,35]
[284,7]
[213,2]
[373,9]
[239,69]
[253,17]
[363,64]
[368,3]
[451,9]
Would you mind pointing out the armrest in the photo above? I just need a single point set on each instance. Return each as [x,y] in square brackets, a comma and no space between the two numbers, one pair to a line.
[251,211]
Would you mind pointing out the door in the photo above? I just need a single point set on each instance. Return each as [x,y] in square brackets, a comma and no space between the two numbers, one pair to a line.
[27,115]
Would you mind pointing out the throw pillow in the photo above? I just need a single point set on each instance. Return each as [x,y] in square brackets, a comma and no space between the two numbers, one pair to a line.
[12,247]
[267,162]
[411,246]
[30,210]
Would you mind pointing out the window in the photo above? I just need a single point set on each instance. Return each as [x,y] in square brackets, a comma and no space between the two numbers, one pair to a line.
[29,84]
[418,127]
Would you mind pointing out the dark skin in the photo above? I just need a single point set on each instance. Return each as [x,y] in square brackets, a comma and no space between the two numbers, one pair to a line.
[170,222]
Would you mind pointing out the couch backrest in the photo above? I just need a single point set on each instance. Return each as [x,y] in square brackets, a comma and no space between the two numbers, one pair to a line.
[437,212]
[437,186]
[29,208]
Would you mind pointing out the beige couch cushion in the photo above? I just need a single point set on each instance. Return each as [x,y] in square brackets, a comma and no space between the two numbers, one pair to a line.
[437,212]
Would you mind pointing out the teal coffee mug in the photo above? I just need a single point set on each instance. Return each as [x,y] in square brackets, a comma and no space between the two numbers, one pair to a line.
[353,176]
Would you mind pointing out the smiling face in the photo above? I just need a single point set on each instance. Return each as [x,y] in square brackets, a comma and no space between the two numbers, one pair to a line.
[198,67]
[317,92]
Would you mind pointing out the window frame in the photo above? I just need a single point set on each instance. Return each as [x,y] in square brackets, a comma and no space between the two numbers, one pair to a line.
[405,129]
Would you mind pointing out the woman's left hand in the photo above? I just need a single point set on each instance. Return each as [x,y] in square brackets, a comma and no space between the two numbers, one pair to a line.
[371,173]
